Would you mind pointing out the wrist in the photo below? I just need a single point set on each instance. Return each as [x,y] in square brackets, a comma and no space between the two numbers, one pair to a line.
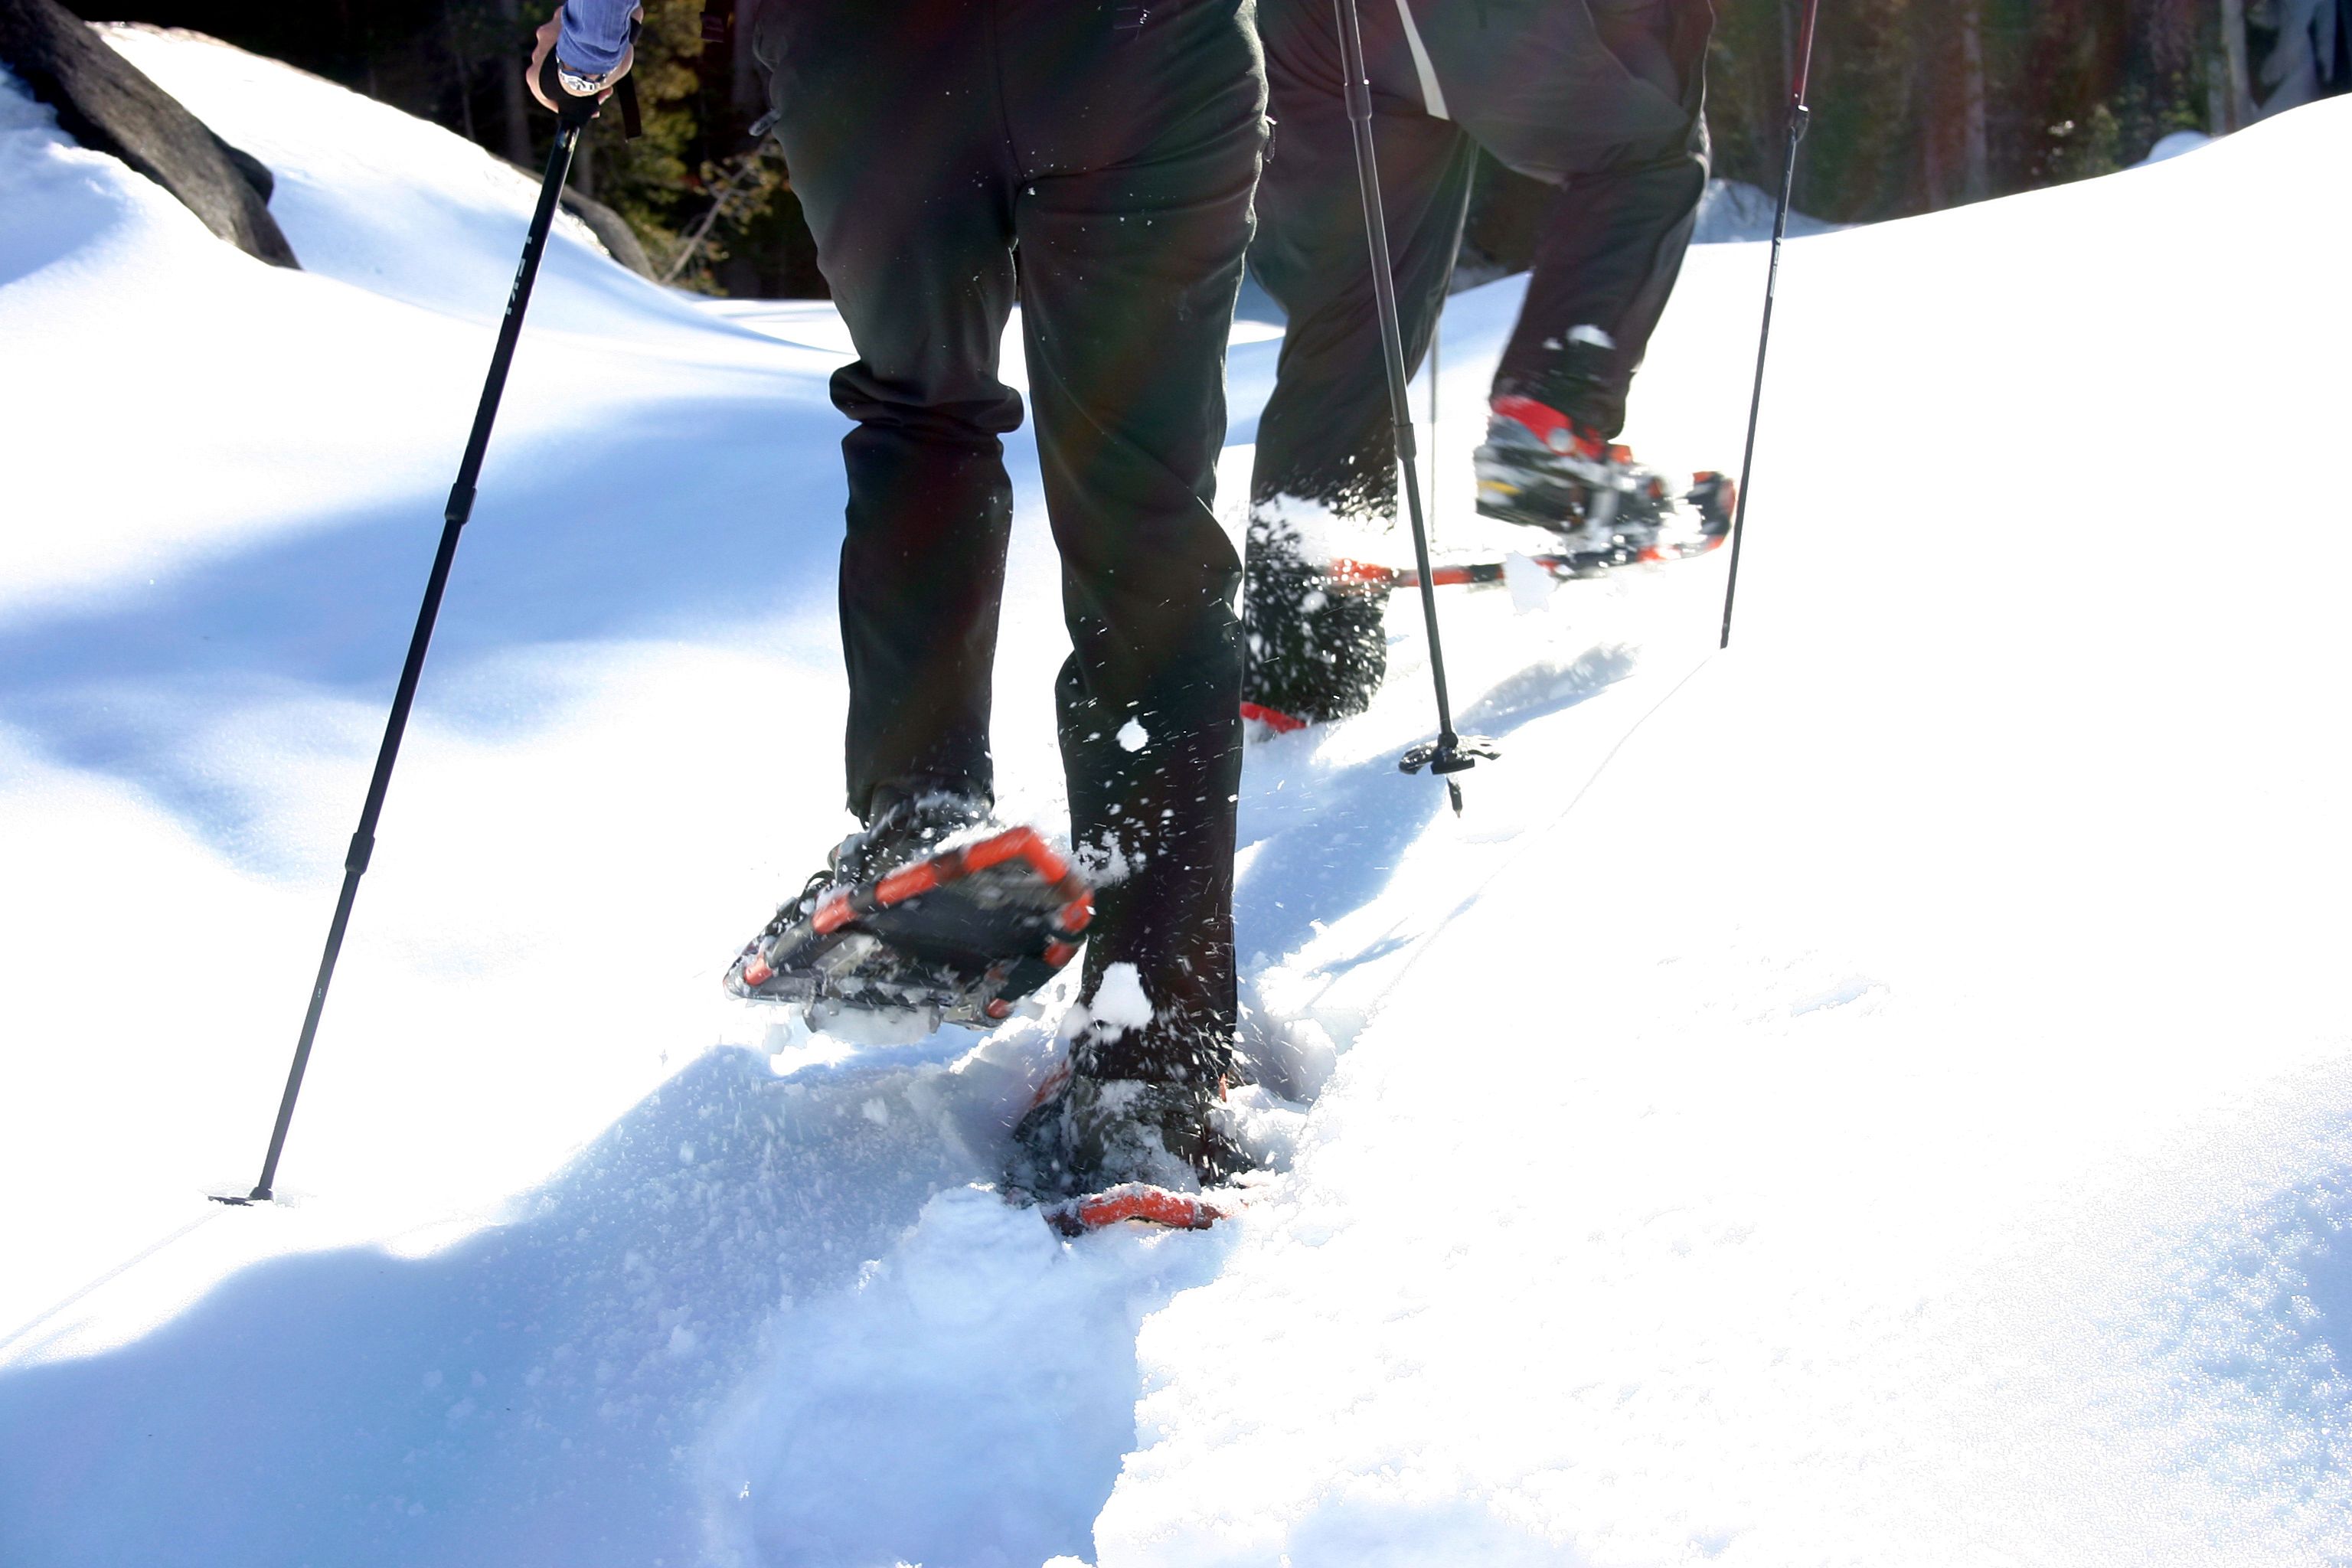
[580,83]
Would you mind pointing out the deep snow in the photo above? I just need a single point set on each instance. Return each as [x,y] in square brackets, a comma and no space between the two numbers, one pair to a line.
[1877,1095]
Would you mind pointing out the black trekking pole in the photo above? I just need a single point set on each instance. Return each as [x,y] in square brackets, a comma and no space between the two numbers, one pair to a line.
[1450,753]
[1799,112]
[1436,338]
[460,506]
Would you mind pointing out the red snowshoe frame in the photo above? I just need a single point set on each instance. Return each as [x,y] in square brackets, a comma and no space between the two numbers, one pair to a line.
[1133,1201]
[1013,873]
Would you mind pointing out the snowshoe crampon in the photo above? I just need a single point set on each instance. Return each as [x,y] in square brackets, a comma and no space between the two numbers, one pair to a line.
[961,935]
[1136,1201]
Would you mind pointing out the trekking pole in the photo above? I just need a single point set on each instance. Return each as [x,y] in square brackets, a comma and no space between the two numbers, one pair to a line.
[1436,440]
[460,506]
[1799,112]
[1451,753]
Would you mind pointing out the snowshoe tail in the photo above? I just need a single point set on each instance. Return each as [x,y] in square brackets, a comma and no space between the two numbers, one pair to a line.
[1710,502]
[1275,720]
[1715,497]
[963,933]
[1137,1201]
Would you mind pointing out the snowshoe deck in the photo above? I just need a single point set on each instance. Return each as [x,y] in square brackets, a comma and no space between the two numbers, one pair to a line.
[962,934]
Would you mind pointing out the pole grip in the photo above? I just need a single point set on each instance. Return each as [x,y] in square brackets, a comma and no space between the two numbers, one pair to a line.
[1805,54]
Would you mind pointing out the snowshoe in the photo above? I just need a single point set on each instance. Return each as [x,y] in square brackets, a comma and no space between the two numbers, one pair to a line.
[1542,468]
[1092,1152]
[906,923]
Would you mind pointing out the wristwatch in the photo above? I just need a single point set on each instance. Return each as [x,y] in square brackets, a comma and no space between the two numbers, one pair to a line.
[581,84]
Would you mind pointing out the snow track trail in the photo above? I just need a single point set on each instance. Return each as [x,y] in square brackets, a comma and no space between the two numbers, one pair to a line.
[1875,1096]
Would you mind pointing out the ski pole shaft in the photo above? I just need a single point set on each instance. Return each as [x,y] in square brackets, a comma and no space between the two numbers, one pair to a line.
[1358,88]
[461,506]
[1436,334]
[1797,114]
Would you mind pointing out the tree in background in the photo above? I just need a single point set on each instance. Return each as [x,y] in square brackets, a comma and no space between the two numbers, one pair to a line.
[2307,53]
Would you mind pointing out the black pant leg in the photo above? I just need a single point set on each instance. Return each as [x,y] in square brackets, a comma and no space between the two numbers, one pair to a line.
[1131,238]
[1614,242]
[1319,647]
[1326,435]
[1612,248]
[890,124]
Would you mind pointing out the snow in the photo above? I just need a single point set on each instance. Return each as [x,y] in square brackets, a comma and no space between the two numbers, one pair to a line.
[1880,1094]
[2172,144]
[1120,999]
[1733,211]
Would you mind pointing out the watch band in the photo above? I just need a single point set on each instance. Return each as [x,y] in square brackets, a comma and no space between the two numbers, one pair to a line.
[581,84]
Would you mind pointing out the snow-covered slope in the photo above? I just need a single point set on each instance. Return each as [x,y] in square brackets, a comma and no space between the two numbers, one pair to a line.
[1878,1095]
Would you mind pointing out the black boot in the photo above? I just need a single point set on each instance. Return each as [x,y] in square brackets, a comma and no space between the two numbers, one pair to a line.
[1094,1133]
[903,825]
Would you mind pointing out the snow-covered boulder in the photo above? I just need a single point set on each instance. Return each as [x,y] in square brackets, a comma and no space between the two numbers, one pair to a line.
[2173,145]
[611,231]
[104,102]
[1734,210]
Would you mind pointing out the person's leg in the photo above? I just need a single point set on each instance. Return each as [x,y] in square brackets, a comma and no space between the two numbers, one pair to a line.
[1143,148]
[1326,445]
[887,115]
[1614,242]
[1326,435]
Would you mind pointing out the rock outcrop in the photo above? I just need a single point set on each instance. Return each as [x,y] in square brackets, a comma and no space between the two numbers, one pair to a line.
[611,231]
[108,105]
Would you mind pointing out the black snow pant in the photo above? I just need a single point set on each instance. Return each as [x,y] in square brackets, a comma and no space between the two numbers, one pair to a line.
[1097,164]
[1603,100]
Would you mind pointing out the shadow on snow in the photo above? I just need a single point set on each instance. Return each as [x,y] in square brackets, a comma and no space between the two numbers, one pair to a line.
[128,683]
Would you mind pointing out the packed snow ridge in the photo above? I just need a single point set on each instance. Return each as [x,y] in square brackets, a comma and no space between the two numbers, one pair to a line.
[1877,1095]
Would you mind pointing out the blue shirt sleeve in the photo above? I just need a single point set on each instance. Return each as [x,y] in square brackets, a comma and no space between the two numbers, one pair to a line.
[595,33]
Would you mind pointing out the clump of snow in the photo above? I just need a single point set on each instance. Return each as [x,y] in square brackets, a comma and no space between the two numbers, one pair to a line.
[1120,1001]
[1132,736]
[1530,585]
[1310,531]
